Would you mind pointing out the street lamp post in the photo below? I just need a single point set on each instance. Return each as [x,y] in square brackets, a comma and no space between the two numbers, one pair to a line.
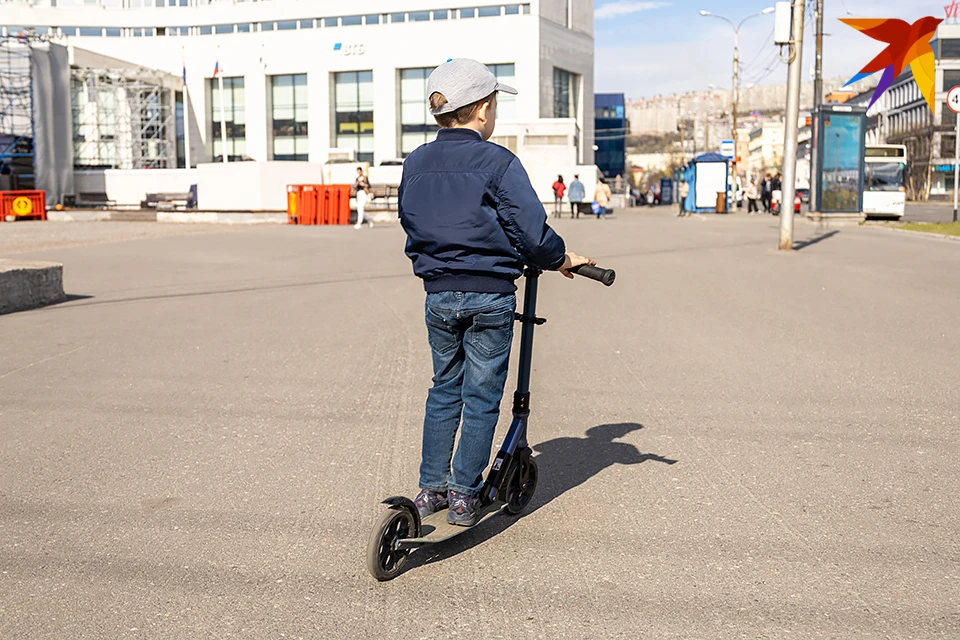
[736,85]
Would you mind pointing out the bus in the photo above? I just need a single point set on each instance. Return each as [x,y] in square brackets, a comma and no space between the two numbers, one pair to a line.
[884,191]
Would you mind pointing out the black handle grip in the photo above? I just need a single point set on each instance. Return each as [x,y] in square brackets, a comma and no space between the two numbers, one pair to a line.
[606,276]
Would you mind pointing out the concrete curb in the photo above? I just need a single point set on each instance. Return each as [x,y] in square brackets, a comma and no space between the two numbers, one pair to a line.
[78,216]
[926,234]
[27,284]
[215,217]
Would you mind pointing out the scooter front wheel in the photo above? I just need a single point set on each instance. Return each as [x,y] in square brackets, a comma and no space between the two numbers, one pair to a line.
[521,486]
[384,560]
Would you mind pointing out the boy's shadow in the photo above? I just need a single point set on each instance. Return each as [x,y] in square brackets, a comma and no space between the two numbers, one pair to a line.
[562,464]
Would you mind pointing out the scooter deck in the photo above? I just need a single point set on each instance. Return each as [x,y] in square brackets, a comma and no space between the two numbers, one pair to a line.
[435,528]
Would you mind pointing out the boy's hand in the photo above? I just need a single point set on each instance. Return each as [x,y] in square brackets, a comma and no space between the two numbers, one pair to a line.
[573,260]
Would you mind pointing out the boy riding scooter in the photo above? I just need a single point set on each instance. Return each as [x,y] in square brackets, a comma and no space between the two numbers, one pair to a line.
[472,221]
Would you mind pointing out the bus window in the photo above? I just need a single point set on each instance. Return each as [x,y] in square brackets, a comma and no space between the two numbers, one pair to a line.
[884,176]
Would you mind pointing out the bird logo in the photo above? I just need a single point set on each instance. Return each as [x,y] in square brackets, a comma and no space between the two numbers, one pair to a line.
[908,44]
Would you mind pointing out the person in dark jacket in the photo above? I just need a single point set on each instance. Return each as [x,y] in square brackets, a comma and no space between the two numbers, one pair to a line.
[472,221]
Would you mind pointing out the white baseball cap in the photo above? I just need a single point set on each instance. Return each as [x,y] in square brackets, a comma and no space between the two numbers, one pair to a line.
[463,81]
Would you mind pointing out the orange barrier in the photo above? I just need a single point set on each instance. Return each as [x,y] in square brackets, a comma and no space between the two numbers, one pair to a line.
[22,205]
[318,204]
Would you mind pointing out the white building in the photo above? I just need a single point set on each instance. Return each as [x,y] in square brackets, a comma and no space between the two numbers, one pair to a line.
[303,79]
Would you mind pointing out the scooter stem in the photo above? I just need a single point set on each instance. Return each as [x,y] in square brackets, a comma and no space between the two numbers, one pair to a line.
[528,320]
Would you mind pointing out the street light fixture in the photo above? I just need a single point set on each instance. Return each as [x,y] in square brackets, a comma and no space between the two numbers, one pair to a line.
[736,78]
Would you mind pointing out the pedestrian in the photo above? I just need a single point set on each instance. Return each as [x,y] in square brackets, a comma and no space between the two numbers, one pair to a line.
[765,193]
[752,197]
[683,192]
[602,197]
[650,197]
[558,190]
[776,193]
[473,221]
[575,194]
[361,187]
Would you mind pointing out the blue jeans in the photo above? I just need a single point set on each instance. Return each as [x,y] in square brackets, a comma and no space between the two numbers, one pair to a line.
[470,335]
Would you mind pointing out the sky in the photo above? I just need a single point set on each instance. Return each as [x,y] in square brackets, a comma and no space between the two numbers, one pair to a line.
[647,48]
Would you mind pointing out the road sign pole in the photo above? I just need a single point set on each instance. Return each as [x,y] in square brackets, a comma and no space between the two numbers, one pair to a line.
[953,101]
[956,170]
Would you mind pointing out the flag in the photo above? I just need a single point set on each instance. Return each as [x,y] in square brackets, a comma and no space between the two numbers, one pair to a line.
[184,74]
[216,69]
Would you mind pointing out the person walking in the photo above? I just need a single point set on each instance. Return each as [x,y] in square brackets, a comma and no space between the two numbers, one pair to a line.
[559,189]
[362,187]
[752,198]
[683,192]
[776,193]
[575,193]
[765,193]
[602,197]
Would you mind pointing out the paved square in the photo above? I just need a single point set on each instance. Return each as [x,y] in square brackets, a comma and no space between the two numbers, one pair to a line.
[733,442]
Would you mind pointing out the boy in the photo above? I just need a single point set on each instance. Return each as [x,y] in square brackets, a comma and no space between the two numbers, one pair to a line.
[472,219]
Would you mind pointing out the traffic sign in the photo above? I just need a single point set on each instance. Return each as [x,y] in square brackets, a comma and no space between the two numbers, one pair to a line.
[953,99]
[22,207]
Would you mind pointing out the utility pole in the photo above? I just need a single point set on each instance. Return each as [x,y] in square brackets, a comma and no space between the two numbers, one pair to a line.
[794,83]
[681,127]
[736,105]
[817,100]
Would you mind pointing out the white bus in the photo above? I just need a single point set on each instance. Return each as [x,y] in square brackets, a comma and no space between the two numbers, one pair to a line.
[884,191]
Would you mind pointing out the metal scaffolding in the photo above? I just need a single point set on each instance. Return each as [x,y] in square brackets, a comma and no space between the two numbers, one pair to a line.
[123,119]
[17,149]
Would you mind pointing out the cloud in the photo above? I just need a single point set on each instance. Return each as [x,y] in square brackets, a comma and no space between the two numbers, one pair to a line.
[625,7]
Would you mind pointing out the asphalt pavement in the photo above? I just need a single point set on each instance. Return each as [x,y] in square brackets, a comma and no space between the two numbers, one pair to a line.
[733,442]
[928,212]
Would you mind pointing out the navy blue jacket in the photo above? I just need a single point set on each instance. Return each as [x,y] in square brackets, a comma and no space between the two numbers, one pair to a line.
[472,217]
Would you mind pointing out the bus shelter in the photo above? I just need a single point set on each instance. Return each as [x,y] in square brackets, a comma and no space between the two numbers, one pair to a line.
[708,175]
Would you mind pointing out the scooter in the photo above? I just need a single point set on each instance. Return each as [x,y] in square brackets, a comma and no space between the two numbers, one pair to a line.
[511,480]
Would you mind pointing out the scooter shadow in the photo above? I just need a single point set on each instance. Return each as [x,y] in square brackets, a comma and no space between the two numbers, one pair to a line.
[562,464]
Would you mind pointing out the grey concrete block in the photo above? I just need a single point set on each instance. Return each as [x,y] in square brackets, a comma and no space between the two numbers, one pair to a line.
[28,284]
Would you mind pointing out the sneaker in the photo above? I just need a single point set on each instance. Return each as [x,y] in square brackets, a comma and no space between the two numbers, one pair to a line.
[370,223]
[464,509]
[357,226]
[429,501]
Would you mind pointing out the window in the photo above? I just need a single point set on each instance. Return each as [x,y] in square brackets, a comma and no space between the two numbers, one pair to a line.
[289,105]
[948,117]
[545,140]
[416,124]
[244,27]
[353,100]
[234,115]
[397,17]
[306,24]
[266,26]
[68,31]
[372,19]
[511,9]
[331,22]
[205,31]
[486,12]
[349,21]
[224,28]
[951,78]
[113,32]
[286,25]
[510,142]
[949,49]
[565,93]
[526,9]
[506,103]
[441,14]
[181,150]
[419,16]
[468,13]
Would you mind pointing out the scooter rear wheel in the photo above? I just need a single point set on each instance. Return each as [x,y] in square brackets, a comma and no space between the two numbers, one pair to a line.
[521,486]
[383,560]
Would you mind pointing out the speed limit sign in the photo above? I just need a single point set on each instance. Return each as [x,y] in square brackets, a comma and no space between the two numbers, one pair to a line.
[953,99]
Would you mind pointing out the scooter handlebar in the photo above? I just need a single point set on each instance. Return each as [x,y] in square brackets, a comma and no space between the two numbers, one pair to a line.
[606,276]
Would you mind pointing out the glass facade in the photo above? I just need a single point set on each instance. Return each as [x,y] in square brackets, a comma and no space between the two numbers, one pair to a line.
[610,129]
[566,89]
[234,116]
[417,126]
[288,95]
[842,159]
[506,103]
[353,120]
